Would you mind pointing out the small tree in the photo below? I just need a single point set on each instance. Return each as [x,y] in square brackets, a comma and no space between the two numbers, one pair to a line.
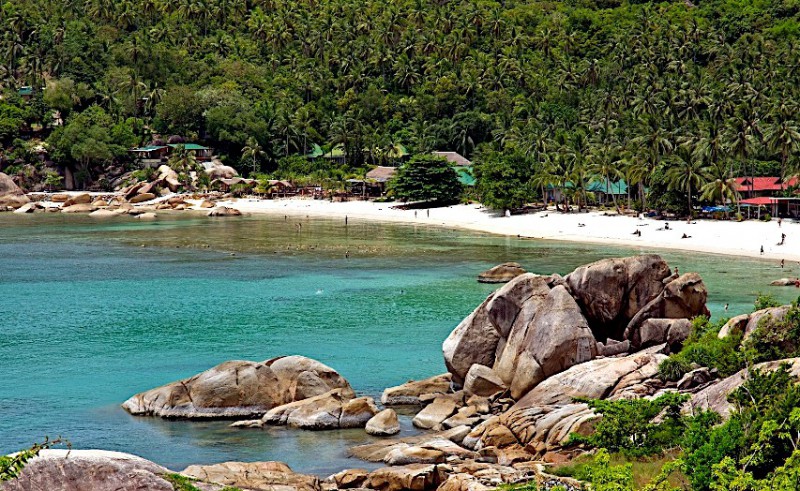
[504,181]
[427,178]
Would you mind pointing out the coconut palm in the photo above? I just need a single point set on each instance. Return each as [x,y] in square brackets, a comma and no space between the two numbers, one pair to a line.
[687,174]
[253,152]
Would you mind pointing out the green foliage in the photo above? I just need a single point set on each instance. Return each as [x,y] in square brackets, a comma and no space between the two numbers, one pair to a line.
[755,443]
[775,339]
[427,178]
[627,425]
[503,181]
[181,483]
[526,486]
[603,476]
[765,301]
[704,348]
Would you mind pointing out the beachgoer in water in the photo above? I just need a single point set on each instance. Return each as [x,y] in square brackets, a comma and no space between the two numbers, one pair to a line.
[726,307]
[676,271]
[347,254]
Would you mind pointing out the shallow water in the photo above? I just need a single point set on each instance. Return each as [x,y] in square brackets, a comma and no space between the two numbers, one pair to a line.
[93,311]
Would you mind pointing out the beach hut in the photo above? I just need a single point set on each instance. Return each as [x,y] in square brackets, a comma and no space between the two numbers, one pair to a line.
[454,158]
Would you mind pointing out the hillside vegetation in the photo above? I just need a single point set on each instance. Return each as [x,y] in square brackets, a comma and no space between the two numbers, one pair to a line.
[674,96]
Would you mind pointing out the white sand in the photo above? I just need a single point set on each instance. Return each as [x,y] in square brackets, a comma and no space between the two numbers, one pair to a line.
[718,237]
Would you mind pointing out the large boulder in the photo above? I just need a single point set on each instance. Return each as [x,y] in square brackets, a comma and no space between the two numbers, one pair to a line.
[221,172]
[767,318]
[332,410]
[507,303]
[224,211]
[483,381]
[379,450]
[559,336]
[538,429]
[89,470]
[8,186]
[266,476]
[78,199]
[612,291]
[79,208]
[473,341]
[683,298]
[715,396]
[501,273]
[409,393]
[432,416]
[658,331]
[602,378]
[239,389]
[385,423]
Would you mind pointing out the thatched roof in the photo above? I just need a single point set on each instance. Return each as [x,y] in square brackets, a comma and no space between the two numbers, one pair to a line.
[454,158]
[381,174]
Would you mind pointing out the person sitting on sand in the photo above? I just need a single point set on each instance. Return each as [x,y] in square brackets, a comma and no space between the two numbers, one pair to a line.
[684,236]
[666,226]
[581,224]
[637,233]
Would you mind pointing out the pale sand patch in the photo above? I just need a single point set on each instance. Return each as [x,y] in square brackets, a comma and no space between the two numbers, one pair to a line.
[717,237]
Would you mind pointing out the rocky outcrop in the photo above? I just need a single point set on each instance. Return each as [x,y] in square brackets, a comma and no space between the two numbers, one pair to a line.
[89,470]
[11,196]
[378,451]
[78,199]
[715,396]
[658,331]
[683,298]
[79,208]
[501,273]
[603,378]
[545,325]
[784,282]
[611,291]
[474,340]
[410,392]
[266,476]
[412,477]
[239,389]
[385,423]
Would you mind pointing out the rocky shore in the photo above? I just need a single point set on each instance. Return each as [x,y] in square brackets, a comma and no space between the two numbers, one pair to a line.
[502,413]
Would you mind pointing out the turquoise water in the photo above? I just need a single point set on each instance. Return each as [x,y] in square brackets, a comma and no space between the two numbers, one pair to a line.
[92,312]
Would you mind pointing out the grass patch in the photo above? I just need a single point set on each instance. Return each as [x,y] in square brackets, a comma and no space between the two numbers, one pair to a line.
[181,483]
[644,469]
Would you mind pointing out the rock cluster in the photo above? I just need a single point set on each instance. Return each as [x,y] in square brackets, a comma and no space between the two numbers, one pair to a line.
[11,196]
[501,273]
[240,389]
[535,326]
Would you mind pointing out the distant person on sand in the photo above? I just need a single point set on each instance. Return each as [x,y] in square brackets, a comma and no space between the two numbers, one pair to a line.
[666,226]
[684,236]
[783,239]
[781,263]
[780,220]
[762,250]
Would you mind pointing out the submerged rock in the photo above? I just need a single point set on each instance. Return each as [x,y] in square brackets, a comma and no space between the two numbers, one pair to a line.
[224,211]
[239,389]
[501,273]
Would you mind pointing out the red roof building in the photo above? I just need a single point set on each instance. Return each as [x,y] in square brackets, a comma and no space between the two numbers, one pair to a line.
[753,187]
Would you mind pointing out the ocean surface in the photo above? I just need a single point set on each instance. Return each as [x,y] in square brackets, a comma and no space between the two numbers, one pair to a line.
[93,311]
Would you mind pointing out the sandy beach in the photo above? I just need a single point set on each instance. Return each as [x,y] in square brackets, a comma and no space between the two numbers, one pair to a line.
[708,236]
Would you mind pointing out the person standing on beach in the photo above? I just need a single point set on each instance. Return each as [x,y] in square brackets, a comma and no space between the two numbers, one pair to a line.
[428,212]
[762,250]
[781,263]
[780,220]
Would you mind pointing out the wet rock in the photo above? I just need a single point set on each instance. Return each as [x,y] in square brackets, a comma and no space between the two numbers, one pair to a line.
[224,211]
[332,410]
[501,273]
[410,392]
[102,214]
[385,423]
[79,208]
[238,389]
[146,216]
[28,208]
[783,282]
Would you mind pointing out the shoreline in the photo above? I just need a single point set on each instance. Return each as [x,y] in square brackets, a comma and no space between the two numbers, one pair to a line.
[729,238]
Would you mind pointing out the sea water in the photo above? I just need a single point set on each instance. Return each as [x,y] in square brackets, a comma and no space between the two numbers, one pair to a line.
[93,311]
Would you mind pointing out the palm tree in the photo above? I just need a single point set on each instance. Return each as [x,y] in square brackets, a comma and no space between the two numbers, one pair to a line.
[253,151]
[721,188]
[784,137]
[687,174]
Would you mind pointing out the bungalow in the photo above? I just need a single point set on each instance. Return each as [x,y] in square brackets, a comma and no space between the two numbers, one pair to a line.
[755,187]
[155,155]
[454,158]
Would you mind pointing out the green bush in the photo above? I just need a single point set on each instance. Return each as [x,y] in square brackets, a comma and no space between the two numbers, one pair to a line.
[704,348]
